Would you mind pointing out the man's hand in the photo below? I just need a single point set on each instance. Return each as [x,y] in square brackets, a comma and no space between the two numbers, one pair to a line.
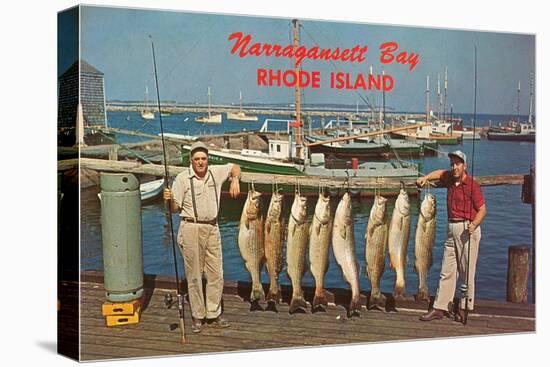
[421,181]
[234,188]
[167,194]
[472,227]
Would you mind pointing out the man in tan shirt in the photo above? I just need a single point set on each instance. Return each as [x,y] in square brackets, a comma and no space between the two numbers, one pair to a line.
[195,195]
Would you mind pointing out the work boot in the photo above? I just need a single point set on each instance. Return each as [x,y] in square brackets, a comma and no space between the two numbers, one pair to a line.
[196,326]
[219,322]
[434,314]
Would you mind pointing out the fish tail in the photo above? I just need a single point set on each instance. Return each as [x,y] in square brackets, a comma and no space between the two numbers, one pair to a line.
[377,298]
[399,292]
[297,303]
[274,294]
[257,293]
[355,306]
[423,294]
[320,299]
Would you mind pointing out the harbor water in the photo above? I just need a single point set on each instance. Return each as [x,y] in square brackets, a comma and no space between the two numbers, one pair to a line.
[508,220]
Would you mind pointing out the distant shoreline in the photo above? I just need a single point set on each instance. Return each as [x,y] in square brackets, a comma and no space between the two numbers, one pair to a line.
[277,109]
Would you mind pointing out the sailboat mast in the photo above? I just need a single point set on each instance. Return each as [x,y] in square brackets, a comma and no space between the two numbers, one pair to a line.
[209,96]
[383,102]
[531,98]
[298,122]
[427,98]
[439,98]
[241,101]
[519,90]
[445,96]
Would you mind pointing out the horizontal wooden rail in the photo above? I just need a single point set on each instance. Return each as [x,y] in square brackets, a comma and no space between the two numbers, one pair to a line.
[103,165]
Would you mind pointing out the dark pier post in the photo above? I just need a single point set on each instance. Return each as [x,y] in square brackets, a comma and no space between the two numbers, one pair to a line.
[528,197]
[518,274]
[533,222]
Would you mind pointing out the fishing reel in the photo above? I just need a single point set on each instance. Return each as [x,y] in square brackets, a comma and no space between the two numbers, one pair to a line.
[168,300]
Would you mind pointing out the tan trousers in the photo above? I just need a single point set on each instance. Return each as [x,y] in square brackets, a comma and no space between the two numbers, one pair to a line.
[200,246]
[455,259]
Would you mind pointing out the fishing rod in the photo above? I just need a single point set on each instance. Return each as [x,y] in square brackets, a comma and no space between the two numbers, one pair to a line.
[466,287]
[169,205]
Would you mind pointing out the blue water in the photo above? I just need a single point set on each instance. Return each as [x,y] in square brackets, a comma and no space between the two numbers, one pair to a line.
[508,221]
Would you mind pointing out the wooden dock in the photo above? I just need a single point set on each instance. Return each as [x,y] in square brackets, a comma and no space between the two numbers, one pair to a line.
[155,335]
[262,178]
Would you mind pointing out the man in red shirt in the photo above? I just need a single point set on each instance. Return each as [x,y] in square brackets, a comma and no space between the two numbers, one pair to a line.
[465,212]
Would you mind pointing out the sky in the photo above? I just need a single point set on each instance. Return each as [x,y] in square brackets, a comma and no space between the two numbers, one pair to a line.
[193,53]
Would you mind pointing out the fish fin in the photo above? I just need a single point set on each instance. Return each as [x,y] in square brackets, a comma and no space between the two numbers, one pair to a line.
[342,230]
[415,269]
[268,227]
[392,265]
[318,229]
[297,303]
[247,224]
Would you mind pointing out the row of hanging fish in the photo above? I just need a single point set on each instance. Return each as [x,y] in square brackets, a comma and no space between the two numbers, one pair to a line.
[261,241]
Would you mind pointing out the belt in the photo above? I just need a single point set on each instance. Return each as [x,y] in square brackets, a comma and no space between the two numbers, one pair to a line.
[458,220]
[212,222]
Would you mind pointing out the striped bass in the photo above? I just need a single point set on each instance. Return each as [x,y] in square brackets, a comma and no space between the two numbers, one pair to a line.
[343,246]
[297,238]
[398,240]
[376,238]
[274,245]
[251,242]
[319,241]
[424,243]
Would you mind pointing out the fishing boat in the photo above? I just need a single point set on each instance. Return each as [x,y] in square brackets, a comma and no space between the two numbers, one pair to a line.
[523,132]
[215,118]
[251,160]
[466,132]
[146,113]
[425,133]
[241,116]
[515,130]
[362,149]
[180,136]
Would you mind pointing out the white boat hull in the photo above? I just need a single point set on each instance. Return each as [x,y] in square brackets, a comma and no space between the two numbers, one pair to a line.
[147,115]
[212,119]
[241,116]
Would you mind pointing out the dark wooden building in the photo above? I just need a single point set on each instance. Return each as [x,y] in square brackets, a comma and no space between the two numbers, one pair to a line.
[85,84]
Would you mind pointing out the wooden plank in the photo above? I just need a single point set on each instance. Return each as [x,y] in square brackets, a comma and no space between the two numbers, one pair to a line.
[321,323]
[164,284]
[173,337]
[491,308]
[261,178]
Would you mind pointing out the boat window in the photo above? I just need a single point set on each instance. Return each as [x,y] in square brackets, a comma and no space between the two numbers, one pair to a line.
[278,147]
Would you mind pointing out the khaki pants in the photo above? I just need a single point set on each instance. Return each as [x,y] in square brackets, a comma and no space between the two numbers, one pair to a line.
[200,246]
[455,259]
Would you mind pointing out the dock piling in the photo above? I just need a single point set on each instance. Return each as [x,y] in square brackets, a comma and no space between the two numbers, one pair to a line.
[518,274]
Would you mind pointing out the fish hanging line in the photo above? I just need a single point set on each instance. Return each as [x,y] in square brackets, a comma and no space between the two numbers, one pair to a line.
[297,188]
[465,287]
[169,205]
